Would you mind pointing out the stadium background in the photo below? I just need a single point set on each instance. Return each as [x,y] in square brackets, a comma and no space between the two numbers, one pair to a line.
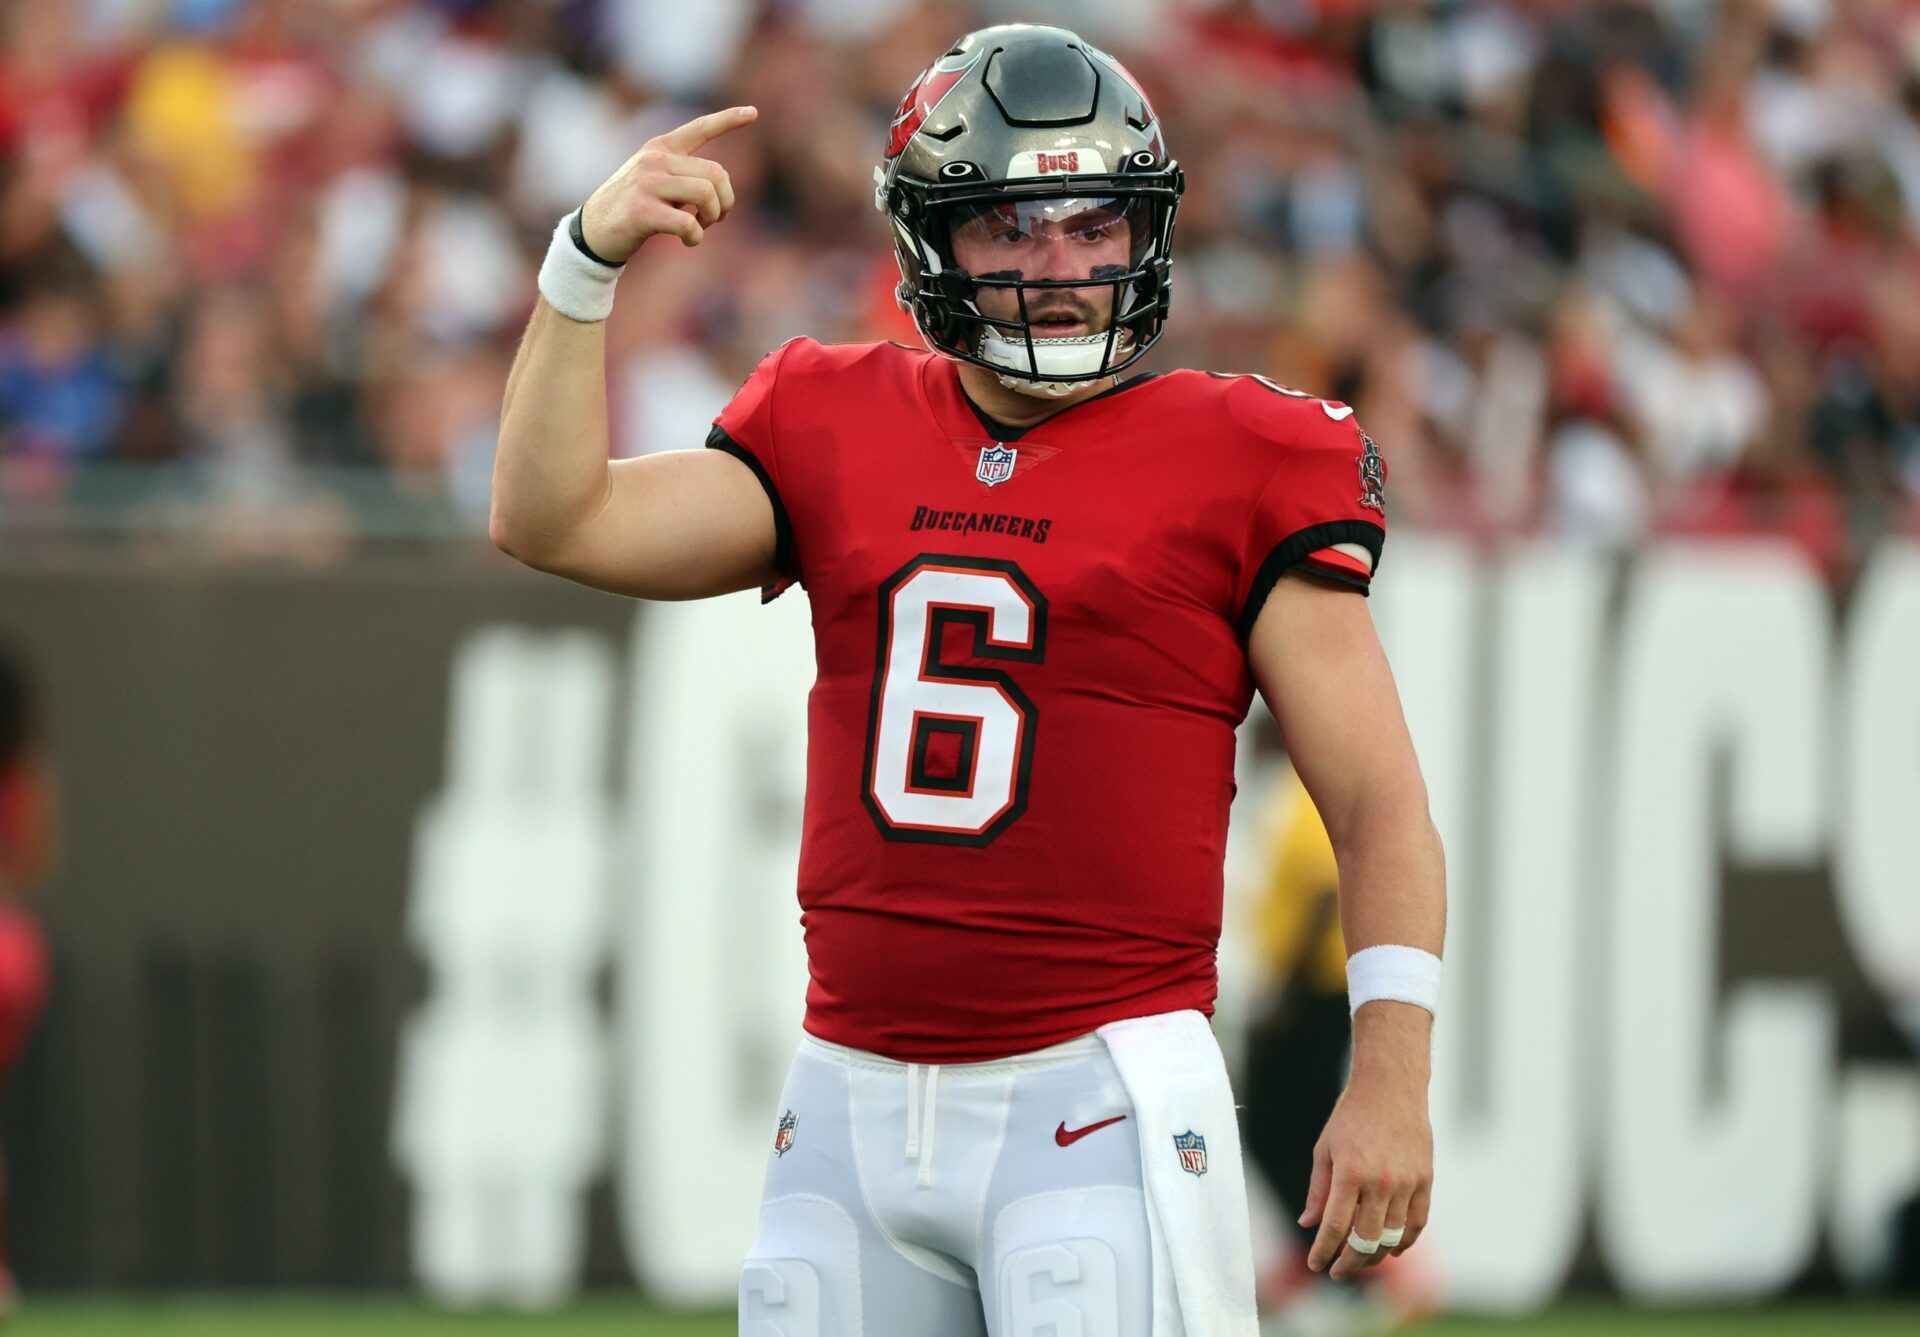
[1628,293]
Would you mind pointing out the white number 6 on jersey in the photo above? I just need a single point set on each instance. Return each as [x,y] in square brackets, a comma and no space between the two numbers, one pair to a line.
[950,746]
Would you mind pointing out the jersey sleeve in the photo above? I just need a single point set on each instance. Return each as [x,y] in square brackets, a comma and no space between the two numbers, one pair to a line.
[1322,510]
[746,430]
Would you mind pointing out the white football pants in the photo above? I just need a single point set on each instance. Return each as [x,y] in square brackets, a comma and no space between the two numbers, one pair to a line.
[910,1200]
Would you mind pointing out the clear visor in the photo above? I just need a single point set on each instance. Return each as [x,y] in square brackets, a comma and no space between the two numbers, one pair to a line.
[1040,240]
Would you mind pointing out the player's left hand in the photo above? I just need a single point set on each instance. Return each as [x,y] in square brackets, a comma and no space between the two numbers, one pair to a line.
[1372,1171]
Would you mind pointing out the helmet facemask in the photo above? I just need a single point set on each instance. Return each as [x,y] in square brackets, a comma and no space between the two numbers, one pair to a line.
[1056,284]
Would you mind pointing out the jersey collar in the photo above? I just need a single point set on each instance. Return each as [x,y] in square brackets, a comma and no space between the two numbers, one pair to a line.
[962,417]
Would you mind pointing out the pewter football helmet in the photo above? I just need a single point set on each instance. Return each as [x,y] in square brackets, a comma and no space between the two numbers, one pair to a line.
[1028,130]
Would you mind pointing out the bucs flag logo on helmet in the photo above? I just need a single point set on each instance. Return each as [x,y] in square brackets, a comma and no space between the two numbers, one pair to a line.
[783,1140]
[1193,1151]
[934,83]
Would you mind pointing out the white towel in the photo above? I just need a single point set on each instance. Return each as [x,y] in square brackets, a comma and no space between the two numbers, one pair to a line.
[1196,1185]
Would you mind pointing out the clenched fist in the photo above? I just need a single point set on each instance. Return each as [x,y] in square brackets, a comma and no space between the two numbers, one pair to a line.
[664,188]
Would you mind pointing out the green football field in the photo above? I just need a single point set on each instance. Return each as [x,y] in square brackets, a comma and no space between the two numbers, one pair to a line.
[244,1317]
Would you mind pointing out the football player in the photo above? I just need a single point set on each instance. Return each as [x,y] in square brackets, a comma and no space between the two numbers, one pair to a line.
[1044,588]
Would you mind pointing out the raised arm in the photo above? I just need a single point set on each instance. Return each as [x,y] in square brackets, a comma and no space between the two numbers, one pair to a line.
[1319,665]
[678,525]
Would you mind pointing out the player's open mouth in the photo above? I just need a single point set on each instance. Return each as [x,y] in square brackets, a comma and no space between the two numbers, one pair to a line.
[1061,326]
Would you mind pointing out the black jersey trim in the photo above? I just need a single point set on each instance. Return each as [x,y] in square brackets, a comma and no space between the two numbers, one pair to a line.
[1334,574]
[1005,431]
[1294,549]
[783,559]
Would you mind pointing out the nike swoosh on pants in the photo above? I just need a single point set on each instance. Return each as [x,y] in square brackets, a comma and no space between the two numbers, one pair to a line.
[1066,1139]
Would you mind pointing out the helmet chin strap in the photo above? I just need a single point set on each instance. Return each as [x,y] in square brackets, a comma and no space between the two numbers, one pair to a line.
[1039,389]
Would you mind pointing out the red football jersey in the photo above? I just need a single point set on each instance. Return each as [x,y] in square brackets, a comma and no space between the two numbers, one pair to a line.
[1031,662]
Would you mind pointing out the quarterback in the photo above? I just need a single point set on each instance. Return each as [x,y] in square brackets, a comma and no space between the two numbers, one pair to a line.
[1044,588]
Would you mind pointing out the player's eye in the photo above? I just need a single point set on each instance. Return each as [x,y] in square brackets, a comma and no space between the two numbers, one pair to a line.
[1097,229]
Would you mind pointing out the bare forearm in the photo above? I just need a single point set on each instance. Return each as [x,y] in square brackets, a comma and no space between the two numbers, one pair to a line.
[1392,873]
[1392,891]
[550,471]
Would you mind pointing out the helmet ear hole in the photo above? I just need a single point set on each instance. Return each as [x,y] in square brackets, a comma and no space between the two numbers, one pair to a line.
[938,323]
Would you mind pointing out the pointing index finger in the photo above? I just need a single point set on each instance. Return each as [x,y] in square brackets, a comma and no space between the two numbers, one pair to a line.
[702,130]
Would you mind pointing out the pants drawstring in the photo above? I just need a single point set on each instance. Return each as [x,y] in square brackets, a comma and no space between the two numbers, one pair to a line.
[919,1140]
[925,1179]
[913,1110]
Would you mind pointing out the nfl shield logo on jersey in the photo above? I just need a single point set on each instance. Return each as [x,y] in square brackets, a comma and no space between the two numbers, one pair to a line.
[1193,1151]
[783,1139]
[996,464]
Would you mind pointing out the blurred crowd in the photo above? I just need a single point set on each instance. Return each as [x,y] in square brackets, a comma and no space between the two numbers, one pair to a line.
[1596,269]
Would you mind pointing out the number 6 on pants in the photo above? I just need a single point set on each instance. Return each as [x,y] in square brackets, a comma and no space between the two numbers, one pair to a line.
[978,718]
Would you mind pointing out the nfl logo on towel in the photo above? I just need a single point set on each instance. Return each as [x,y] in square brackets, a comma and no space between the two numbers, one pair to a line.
[1193,1152]
[783,1139]
[996,464]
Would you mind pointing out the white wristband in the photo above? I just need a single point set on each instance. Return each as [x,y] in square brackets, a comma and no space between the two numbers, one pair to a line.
[1401,974]
[574,284]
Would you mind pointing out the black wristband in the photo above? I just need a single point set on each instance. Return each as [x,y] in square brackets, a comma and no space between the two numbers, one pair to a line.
[580,240]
